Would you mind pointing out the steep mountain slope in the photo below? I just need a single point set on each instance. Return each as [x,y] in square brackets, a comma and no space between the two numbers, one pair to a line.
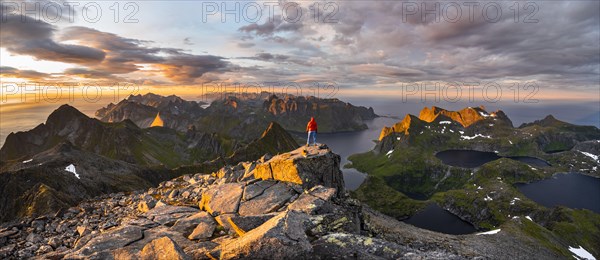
[274,140]
[122,141]
[296,212]
[62,176]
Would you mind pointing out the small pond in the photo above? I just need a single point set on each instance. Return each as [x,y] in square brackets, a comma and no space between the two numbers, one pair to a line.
[571,190]
[435,218]
[473,159]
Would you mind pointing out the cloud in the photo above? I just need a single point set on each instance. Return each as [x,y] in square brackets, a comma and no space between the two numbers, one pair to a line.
[369,45]
[10,72]
[271,27]
[188,41]
[386,71]
[246,45]
[26,36]
[89,74]
[125,55]
[187,68]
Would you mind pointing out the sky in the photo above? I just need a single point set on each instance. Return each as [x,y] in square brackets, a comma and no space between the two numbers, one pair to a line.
[488,49]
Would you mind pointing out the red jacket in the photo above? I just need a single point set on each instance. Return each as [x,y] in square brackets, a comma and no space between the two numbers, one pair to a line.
[312,125]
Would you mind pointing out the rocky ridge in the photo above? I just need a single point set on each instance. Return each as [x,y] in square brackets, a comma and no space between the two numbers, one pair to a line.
[122,141]
[464,118]
[239,116]
[142,109]
[240,212]
[107,158]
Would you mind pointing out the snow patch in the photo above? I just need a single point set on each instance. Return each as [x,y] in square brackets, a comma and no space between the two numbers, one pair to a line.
[514,200]
[491,124]
[473,137]
[445,122]
[528,217]
[71,169]
[483,114]
[580,252]
[491,232]
[28,161]
[593,156]
[389,154]
[479,188]
[487,198]
[510,141]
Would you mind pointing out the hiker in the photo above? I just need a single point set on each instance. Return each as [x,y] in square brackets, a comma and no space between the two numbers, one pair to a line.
[311,128]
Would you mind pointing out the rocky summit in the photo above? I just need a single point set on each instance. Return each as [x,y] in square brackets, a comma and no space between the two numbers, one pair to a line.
[290,206]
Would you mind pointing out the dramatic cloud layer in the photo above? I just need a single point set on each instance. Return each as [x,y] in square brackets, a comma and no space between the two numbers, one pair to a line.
[26,36]
[358,44]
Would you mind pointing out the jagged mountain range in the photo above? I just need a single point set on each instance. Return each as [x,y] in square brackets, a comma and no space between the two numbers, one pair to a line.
[109,157]
[142,109]
[121,141]
[240,116]
[474,127]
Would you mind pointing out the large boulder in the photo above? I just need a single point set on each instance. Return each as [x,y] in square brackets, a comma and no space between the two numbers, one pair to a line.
[168,214]
[204,229]
[223,198]
[242,224]
[185,226]
[163,249]
[255,189]
[271,199]
[111,240]
[282,237]
[307,166]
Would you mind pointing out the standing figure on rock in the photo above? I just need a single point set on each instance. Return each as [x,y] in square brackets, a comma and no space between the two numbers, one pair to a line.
[311,128]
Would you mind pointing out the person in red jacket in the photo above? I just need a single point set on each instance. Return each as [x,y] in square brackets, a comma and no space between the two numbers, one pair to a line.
[311,128]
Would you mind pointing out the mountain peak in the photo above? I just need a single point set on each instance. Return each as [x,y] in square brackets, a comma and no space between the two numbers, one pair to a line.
[548,121]
[273,127]
[466,117]
[64,114]
[157,121]
[401,127]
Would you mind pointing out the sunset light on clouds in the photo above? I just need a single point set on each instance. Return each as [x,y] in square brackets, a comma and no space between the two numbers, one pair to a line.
[359,45]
